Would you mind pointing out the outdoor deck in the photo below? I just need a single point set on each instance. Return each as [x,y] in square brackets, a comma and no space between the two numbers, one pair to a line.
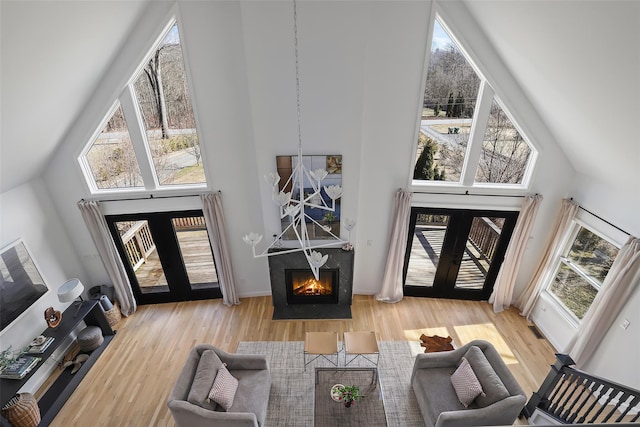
[196,255]
[425,255]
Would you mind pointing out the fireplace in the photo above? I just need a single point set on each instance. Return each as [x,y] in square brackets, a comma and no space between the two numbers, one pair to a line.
[291,270]
[303,288]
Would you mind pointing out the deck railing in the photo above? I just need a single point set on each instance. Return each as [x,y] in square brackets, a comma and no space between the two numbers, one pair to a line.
[190,223]
[138,243]
[572,396]
[484,235]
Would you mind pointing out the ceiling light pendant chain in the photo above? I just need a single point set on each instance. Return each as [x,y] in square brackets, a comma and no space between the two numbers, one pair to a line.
[295,45]
[294,208]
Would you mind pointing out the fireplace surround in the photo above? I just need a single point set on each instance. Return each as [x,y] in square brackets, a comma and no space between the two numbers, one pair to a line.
[311,303]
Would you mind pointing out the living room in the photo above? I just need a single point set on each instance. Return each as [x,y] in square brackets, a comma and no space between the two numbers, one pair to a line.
[362,65]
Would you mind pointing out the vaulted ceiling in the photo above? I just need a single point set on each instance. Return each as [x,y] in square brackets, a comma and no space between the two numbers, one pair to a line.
[578,61]
[579,64]
[54,54]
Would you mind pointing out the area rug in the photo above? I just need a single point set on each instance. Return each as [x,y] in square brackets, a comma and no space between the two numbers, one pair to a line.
[292,388]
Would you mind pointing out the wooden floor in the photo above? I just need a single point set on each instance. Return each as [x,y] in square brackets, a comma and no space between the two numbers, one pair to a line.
[130,383]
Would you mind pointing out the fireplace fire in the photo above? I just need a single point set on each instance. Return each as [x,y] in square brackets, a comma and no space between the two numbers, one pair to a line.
[303,288]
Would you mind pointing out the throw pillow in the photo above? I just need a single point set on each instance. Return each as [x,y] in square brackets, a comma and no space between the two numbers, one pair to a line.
[203,380]
[465,383]
[224,388]
[494,389]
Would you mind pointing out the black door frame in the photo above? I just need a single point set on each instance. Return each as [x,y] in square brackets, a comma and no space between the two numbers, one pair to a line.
[168,248]
[453,247]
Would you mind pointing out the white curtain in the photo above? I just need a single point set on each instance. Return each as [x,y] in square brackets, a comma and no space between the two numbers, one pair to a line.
[617,287]
[391,290]
[558,233]
[214,217]
[505,282]
[99,231]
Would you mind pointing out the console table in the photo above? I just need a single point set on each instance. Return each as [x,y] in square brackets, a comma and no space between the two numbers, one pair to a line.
[52,401]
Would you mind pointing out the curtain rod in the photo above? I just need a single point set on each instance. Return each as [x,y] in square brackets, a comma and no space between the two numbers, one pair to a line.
[150,197]
[603,220]
[466,193]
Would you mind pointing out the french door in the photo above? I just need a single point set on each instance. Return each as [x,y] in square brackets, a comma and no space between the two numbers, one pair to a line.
[454,253]
[167,255]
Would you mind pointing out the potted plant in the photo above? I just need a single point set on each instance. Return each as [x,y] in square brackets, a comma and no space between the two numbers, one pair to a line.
[329,217]
[326,224]
[348,394]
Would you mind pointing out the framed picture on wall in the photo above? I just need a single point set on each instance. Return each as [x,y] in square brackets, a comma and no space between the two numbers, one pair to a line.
[334,164]
[318,221]
[21,284]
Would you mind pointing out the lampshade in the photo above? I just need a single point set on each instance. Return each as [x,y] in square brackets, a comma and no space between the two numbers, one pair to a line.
[70,290]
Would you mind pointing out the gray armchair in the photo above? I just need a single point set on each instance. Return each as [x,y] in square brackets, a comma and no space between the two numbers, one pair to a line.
[437,399]
[187,399]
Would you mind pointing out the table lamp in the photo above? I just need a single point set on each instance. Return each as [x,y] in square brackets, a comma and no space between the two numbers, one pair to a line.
[70,290]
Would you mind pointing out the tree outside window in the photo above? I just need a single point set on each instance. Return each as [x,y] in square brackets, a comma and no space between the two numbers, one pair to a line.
[449,105]
[111,158]
[164,106]
[582,270]
[165,103]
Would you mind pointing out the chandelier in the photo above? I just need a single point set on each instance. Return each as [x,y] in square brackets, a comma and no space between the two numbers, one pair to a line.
[294,207]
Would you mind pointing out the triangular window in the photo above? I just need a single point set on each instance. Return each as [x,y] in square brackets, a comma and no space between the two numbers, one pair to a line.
[163,98]
[450,96]
[159,103]
[505,153]
[111,158]
[455,110]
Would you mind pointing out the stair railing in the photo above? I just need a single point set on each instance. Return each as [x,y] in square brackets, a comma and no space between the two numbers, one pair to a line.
[572,396]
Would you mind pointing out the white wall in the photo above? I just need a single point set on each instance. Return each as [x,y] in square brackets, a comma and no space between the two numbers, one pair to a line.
[619,351]
[28,213]
[361,66]
[395,52]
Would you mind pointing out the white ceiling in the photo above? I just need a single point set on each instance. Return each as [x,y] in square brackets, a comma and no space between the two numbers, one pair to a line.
[578,61]
[579,64]
[54,53]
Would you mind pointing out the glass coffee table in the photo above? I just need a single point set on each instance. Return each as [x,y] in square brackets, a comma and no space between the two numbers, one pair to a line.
[368,411]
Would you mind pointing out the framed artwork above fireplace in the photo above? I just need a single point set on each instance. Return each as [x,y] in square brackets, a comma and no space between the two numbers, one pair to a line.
[285,166]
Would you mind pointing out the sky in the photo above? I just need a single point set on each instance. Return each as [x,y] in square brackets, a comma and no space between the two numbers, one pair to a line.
[440,37]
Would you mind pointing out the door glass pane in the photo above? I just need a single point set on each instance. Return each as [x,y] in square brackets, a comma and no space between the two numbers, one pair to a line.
[195,248]
[142,255]
[425,249]
[478,252]
[450,96]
